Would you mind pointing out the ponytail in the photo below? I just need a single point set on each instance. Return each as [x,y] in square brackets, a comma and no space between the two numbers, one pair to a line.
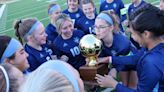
[16,27]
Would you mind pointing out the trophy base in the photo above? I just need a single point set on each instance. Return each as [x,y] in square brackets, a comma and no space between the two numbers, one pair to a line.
[88,73]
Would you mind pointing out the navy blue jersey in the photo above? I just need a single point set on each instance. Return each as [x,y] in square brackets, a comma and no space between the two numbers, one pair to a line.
[70,48]
[150,70]
[121,47]
[132,8]
[75,15]
[129,60]
[86,24]
[101,1]
[116,5]
[51,32]
[36,57]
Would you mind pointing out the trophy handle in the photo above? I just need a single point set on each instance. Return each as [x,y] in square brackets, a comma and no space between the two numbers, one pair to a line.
[92,61]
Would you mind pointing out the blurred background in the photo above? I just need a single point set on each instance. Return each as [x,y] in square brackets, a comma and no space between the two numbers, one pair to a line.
[10,10]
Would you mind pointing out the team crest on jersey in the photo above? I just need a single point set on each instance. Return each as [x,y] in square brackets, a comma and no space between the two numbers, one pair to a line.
[41,55]
[48,58]
[68,15]
[106,6]
[132,10]
[77,15]
[113,52]
[65,45]
[114,5]
[49,51]
[86,23]
[76,40]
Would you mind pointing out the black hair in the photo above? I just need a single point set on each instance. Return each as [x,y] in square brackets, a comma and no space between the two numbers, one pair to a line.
[5,41]
[149,18]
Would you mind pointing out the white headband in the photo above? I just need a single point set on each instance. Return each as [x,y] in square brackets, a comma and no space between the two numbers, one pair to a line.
[6,78]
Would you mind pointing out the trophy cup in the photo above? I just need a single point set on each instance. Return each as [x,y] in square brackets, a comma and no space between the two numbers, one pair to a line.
[90,48]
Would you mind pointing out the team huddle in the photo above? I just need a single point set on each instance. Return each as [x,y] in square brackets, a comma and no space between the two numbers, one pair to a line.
[48,59]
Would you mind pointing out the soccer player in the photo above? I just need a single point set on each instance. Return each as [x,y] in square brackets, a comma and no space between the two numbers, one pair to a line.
[135,5]
[114,44]
[67,43]
[73,11]
[115,5]
[86,22]
[148,62]
[12,52]
[54,76]
[53,11]
[33,34]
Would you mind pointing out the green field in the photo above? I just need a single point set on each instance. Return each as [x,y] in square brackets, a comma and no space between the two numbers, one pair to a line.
[34,8]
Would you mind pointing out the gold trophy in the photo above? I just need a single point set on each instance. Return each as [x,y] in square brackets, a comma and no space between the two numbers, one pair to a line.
[90,47]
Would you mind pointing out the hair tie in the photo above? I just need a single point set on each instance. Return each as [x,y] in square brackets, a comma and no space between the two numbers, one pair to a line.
[6,78]
[20,21]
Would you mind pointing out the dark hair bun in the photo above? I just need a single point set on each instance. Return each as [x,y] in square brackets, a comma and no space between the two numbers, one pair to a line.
[16,27]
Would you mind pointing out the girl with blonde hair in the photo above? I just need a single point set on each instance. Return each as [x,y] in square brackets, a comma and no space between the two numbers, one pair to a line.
[53,76]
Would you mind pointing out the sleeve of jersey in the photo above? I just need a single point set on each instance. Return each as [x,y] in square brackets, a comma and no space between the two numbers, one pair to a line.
[56,48]
[149,76]
[122,88]
[127,60]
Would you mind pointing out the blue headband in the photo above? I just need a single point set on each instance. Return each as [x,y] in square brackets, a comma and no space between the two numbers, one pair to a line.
[61,68]
[10,49]
[105,17]
[34,27]
[53,8]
